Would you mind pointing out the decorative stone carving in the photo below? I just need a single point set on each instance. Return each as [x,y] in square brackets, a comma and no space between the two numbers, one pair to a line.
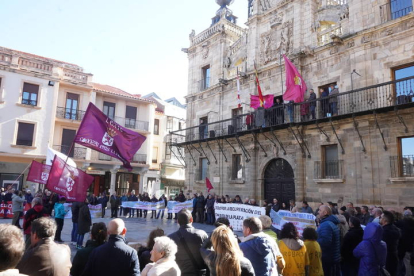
[205,51]
[366,38]
[334,50]
[344,12]
[273,43]
[192,34]
[276,20]
[351,44]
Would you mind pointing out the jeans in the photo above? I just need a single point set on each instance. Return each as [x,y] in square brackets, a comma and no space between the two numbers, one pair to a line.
[334,108]
[209,218]
[312,110]
[145,213]
[120,211]
[59,223]
[80,239]
[74,232]
[103,211]
[153,214]
[114,212]
[160,211]
[132,212]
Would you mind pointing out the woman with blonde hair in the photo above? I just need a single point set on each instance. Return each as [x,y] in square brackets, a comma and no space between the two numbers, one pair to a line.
[227,258]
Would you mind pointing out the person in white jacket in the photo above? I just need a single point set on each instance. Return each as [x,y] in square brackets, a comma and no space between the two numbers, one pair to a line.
[163,257]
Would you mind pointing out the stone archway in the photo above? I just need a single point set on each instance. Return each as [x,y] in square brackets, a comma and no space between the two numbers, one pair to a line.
[279,181]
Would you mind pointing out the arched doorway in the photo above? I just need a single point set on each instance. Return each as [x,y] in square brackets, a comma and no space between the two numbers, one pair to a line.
[279,181]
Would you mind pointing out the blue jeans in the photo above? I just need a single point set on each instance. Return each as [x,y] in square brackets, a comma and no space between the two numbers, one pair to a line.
[209,218]
[161,211]
[74,232]
[80,239]
[334,109]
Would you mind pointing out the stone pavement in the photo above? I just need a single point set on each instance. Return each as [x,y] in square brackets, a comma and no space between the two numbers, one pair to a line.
[138,229]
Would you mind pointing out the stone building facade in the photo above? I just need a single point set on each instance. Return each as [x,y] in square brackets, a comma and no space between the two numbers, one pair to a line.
[361,153]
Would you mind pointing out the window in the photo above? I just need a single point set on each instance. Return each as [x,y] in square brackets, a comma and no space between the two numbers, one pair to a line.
[404,89]
[400,8]
[237,169]
[68,135]
[203,168]
[203,128]
[237,122]
[72,105]
[170,122]
[30,94]
[130,116]
[331,164]
[407,156]
[157,127]
[154,155]
[167,152]
[109,110]
[205,82]
[25,134]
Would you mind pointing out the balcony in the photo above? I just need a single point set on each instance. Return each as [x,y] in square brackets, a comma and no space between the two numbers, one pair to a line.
[204,84]
[70,114]
[139,159]
[104,157]
[402,167]
[332,169]
[132,123]
[395,9]
[382,97]
[76,153]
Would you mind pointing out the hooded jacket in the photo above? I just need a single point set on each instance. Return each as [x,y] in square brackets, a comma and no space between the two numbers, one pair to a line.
[372,252]
[351,241]
[17,203]
[294,252]
[258,249]
[329,240]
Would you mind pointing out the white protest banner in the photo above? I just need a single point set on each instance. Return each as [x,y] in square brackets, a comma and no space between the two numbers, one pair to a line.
[300,220]
[144,205]
[175,207]
[95,210]
[236,213]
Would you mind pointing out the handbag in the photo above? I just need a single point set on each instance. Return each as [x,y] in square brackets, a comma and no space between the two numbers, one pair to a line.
[381,269]
[200,272]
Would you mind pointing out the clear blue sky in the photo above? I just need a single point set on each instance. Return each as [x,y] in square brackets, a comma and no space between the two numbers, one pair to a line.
[134,45]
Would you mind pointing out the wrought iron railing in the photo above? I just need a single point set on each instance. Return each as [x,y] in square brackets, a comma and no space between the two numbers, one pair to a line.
[384,96]
[132,123]
[76,152]
[204,84]
[402,166]
[70,114]
[395,9]
[140,159]
[332,169]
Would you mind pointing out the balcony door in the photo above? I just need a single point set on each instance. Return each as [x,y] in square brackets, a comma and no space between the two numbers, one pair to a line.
[109,110]
[72,106]
[130,116]
[68,135]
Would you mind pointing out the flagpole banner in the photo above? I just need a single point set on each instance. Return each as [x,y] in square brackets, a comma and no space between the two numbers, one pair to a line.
[300,220]
[95,210]
[175,206]
[68,181]
[295,85]
[144,205]
[38,173]
[236,213]
[99,132]
[50,155]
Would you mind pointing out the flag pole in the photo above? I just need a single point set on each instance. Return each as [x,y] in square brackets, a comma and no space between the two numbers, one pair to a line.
[281,70]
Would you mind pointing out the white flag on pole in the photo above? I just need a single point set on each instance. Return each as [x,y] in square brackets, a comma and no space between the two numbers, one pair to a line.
[51,155]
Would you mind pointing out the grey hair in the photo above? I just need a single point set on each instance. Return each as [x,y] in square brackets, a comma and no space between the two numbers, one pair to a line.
[36,201]
[166,245]
[266,221]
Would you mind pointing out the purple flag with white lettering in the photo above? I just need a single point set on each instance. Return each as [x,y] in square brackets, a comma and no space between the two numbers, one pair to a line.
[38,172]
[102,134]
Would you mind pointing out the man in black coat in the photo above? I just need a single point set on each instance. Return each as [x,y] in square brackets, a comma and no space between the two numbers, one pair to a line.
[189,239]
[352,238]
[123,258]
[200,208]
[132,197]
[365,215]
[391,235]
[75,215]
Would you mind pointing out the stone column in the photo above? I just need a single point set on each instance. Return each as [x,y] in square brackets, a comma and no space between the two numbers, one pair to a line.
[113,179]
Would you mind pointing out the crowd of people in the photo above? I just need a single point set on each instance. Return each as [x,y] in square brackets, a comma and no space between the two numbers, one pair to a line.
[347,241]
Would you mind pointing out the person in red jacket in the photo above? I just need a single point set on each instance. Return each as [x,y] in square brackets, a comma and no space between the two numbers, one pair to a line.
[35,212]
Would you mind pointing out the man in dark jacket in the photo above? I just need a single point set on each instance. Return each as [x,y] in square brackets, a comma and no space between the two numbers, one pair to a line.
[132,197]
[365,215]
[189,239]
[75,214]
[200,208]
[390,235]
[405,247]
[45,257]
[123,258]
[352,238]
[103,200]
[329,240]
[312,103]
[114,205]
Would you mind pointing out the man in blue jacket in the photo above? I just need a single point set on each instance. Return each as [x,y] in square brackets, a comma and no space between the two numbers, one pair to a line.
[329,240]
[114,257]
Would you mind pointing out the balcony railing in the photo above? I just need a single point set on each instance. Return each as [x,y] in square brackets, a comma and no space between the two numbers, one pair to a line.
[204,84]
[402,166]
[140,159]
[381,97]
[332,169]
[395,9]
[76,152]
[132,123]
[70,114]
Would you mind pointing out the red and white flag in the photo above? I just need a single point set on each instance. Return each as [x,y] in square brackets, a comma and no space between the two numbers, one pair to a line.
[208,185]
[238,90]
[68,181]
[38,173]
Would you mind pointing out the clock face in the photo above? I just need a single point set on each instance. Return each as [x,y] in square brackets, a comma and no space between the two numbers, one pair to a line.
[224,2]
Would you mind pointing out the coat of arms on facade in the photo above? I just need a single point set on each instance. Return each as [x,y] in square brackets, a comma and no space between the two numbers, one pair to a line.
[70,182]
[108,138]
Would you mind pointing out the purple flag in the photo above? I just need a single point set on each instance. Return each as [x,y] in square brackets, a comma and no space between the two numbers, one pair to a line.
[38,172]
[100,133]
[68,181]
